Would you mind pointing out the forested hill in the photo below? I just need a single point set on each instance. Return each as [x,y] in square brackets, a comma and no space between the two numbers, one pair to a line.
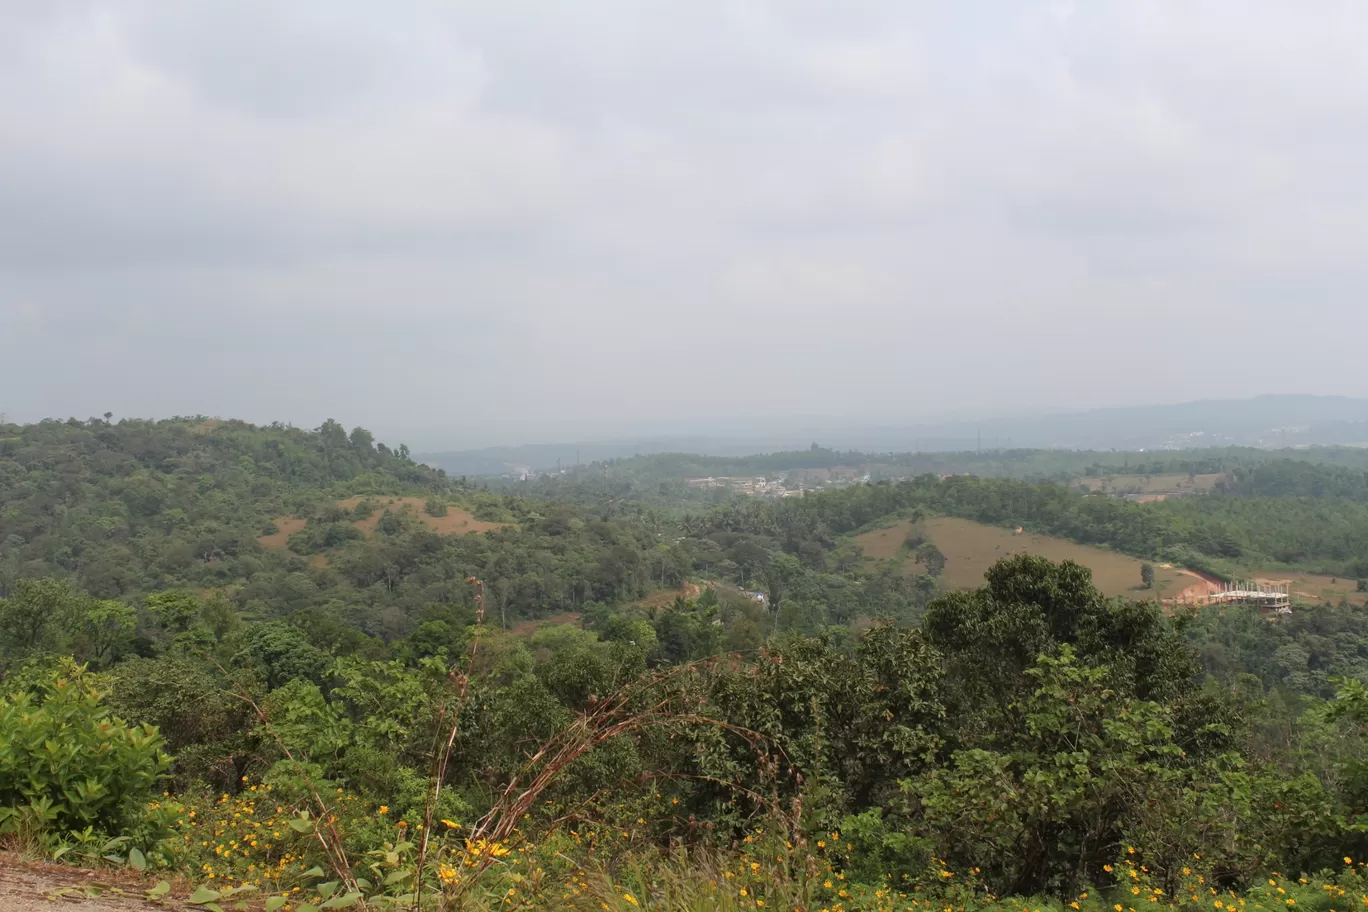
[138,504]
[342,535]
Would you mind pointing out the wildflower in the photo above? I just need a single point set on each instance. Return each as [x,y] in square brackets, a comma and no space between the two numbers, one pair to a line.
[384,809]
[1348,860]
[1107,868]
[450,824]
[821,843]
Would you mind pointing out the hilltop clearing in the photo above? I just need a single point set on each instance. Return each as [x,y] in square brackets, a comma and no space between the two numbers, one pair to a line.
[455,520]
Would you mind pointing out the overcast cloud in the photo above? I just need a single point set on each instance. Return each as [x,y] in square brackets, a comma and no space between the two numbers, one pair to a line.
[528,218]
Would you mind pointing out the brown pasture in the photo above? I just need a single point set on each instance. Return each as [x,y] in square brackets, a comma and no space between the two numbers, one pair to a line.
[286,526]
[456,522]
[1308,587]
[970,548]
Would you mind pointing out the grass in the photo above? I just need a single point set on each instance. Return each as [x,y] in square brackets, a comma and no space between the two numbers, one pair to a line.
[285,527]
[1317,589]
[970,548]
[456,522]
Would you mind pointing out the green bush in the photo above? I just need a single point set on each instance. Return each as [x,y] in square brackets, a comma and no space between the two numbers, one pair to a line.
[67,764]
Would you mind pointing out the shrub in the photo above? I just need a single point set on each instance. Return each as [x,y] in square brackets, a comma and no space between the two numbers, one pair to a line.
[67,764]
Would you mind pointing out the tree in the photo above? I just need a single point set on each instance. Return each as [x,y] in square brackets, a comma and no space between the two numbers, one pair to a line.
[174,609]
[29,617]
[930,557]
[1147,575]
[780,575]
[101,628]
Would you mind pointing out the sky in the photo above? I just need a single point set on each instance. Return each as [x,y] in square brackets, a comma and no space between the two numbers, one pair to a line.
[495,222]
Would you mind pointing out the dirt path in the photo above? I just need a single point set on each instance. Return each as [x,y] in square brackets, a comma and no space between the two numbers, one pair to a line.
[1206,585]
[31,887]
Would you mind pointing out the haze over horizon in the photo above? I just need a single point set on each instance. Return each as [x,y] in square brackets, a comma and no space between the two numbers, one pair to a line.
[510,219]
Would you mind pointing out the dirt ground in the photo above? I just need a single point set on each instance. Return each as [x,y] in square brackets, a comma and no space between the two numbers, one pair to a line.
[31,887]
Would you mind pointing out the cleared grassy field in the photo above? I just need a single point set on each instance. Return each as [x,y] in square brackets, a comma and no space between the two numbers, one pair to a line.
[970,548]
[1308,587]
[456,522]
[285,527]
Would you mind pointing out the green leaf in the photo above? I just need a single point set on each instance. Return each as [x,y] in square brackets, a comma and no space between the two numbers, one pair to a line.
[275,902]
[315,871]
[161,889]
[137,860]
[308,907]
[397,876]
[203,895]
[301,826]
[342,902]
[327,889]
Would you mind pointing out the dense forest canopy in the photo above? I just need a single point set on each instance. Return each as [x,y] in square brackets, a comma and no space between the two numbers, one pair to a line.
[312,613]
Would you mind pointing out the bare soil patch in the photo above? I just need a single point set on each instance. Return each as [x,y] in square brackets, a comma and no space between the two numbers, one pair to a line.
[456,522]
[667,596]
[285,526]
[33,886]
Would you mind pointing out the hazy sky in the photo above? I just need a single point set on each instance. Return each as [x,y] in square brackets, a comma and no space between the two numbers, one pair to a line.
[522,218]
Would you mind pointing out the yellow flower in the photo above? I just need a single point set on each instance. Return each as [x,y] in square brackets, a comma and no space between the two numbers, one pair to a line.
[821,843]
[1107,868]
[743,892]
[1348,860]
[450,824]
[384,809]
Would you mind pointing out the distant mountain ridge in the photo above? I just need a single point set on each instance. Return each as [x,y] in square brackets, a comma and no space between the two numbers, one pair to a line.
[1283,420]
